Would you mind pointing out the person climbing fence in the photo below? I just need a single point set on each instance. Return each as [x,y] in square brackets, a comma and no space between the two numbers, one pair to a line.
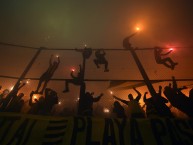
[100,59]
[46,76]
[76,80]
[86,52]
[167,61]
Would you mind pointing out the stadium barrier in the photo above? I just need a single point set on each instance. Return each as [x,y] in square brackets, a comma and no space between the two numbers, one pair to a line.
[23,129]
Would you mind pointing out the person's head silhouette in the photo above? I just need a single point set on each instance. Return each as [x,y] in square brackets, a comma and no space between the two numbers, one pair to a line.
[130,97]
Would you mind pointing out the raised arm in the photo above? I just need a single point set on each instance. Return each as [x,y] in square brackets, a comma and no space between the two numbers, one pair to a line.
[174,83]
[138,94]
[30,100]
[96,99]
[58,59]
[167,53]
[72,74]
[144,97]
[123,101]
[182,88]
[160,90]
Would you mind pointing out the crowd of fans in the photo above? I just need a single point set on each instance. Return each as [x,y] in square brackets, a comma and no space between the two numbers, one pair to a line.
[155,106]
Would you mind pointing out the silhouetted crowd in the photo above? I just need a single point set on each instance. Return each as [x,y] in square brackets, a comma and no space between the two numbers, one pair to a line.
[154,106]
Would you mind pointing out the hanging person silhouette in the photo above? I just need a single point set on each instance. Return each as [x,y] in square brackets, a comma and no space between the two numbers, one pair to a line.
[167,61]
[46,76]
[100,59]
[76,80]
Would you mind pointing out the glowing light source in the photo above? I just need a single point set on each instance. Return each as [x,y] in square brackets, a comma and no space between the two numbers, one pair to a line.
[171,49]
[57,56]
[73,69]
[111,92]
[35,97]
[106,110]
[59,103]
[137,28]
[11,88]
[28,81]
[77,99]
[85,45]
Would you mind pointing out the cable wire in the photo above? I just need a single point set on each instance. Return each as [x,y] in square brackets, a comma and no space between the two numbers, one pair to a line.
[67,49]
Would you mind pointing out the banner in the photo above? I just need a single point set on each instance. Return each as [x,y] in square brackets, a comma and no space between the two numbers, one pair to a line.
[17,129]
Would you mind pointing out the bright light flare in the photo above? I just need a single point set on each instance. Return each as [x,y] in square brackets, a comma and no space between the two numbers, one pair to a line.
[28,81]
[11,88]
[57,56]
[106,110]
[73,69]
[137,28]
[171,49]
[59,103]
[77,99]
[111,92]
[35,97]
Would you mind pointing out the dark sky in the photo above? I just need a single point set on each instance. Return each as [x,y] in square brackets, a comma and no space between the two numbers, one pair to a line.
[60,23]
[99,24]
